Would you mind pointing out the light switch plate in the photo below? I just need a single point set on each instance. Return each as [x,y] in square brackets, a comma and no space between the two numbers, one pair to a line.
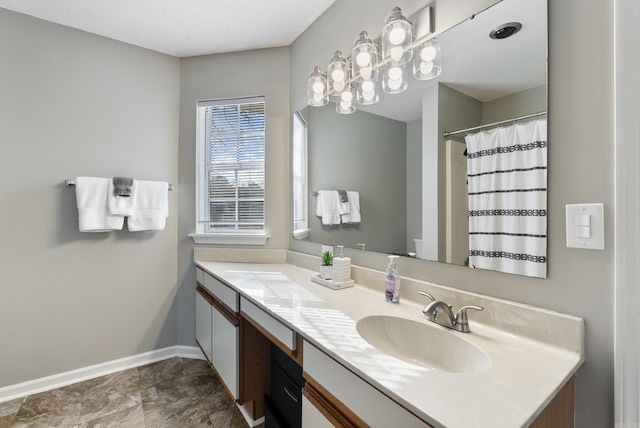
[577,222]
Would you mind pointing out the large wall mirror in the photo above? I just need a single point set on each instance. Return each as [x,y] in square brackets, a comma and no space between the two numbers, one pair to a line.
[412,180]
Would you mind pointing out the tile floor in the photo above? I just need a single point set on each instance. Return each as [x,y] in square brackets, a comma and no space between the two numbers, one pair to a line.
[173,393]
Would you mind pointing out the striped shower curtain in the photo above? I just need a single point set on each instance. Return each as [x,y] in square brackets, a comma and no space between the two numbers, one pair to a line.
[507,182]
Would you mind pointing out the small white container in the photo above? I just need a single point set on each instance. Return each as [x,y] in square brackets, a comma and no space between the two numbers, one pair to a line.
[341,269]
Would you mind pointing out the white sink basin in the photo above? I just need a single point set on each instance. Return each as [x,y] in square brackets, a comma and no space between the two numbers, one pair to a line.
[423,344]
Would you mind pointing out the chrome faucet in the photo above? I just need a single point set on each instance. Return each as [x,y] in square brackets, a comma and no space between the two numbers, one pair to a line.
[458,322]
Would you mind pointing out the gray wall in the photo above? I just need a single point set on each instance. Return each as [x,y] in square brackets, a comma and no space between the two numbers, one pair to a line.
[456,111]
[366,153]
[531,101]
[581,169]
[414,182]
[259,72]
[75,104]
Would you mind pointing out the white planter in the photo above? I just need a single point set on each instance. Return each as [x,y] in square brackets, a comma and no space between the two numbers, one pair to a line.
[326,272]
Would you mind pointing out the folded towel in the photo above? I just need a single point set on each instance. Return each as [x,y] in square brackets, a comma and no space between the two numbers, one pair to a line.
[327,207]
[122,186]
[121,205]
[151,207]
[91,198]
[343,203]
[353,215]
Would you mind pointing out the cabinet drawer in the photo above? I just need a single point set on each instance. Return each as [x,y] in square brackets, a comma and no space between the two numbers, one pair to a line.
[286,395]
[287,364]
[199,275]
[222,292]
[367,402]
[272,326]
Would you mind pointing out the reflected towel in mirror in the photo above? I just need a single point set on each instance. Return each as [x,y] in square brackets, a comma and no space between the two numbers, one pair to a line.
[353,215]
[328,207]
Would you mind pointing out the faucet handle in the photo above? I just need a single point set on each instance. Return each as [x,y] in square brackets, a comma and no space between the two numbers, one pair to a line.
[424,293]
[462,322]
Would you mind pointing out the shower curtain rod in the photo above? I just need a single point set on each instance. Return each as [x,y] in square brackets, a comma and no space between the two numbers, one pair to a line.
[488,125]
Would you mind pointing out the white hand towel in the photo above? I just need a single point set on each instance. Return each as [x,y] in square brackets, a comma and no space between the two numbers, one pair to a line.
[353,215]
[343,206]
[93,213]
[151,206]
[121,205]
[327,207]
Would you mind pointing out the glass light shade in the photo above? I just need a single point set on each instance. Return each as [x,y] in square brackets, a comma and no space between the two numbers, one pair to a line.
[364,58]
[397,38]
[317,90]
[346,102]
[337,74]
[394,79]
[427,60]
[367,93]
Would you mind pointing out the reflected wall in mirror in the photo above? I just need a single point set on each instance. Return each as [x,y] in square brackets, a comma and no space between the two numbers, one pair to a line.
[412,181]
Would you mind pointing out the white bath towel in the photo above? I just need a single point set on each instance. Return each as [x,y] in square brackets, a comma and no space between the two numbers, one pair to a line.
[328,203]
[121,205]
[151,206]
[93,213]
[353,214]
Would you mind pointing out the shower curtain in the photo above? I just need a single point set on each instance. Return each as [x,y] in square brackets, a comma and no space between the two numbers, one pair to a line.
[507,183]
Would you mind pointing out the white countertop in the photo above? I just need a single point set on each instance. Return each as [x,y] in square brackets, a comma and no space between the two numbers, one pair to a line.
[524,375]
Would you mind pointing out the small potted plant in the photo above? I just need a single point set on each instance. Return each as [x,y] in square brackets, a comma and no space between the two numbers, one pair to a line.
[326,265]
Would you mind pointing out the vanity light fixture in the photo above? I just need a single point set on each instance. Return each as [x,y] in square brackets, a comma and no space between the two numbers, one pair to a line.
[367,92]
[373,66]
[347,102]
[397,39]
[397,50]
[338,74]
[364,59]
[317,91]
[394,79]
[426,63]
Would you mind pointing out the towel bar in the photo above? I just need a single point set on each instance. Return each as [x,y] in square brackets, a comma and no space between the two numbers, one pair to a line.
[71,183]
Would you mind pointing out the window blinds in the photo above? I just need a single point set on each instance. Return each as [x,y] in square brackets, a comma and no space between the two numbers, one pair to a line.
[299,174]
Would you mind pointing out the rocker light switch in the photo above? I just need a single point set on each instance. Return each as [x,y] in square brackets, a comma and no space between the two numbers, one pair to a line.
[583,229]
[585,226]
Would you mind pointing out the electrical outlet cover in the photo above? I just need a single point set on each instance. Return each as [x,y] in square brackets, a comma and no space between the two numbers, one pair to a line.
[328,248]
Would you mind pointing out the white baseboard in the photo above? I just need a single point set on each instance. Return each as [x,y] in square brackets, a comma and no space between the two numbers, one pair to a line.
[47,383]
[190,352]
[247,417]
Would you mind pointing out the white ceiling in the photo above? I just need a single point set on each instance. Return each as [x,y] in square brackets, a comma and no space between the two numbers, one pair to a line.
[183,28]
[473,64]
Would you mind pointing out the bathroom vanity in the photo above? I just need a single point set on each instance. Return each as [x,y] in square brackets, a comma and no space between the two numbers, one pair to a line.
[359,357]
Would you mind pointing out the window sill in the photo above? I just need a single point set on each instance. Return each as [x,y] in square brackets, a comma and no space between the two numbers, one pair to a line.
[301,233]
[230,239]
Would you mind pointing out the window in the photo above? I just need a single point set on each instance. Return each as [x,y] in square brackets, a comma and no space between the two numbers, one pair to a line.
[230,184]
[299,178]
